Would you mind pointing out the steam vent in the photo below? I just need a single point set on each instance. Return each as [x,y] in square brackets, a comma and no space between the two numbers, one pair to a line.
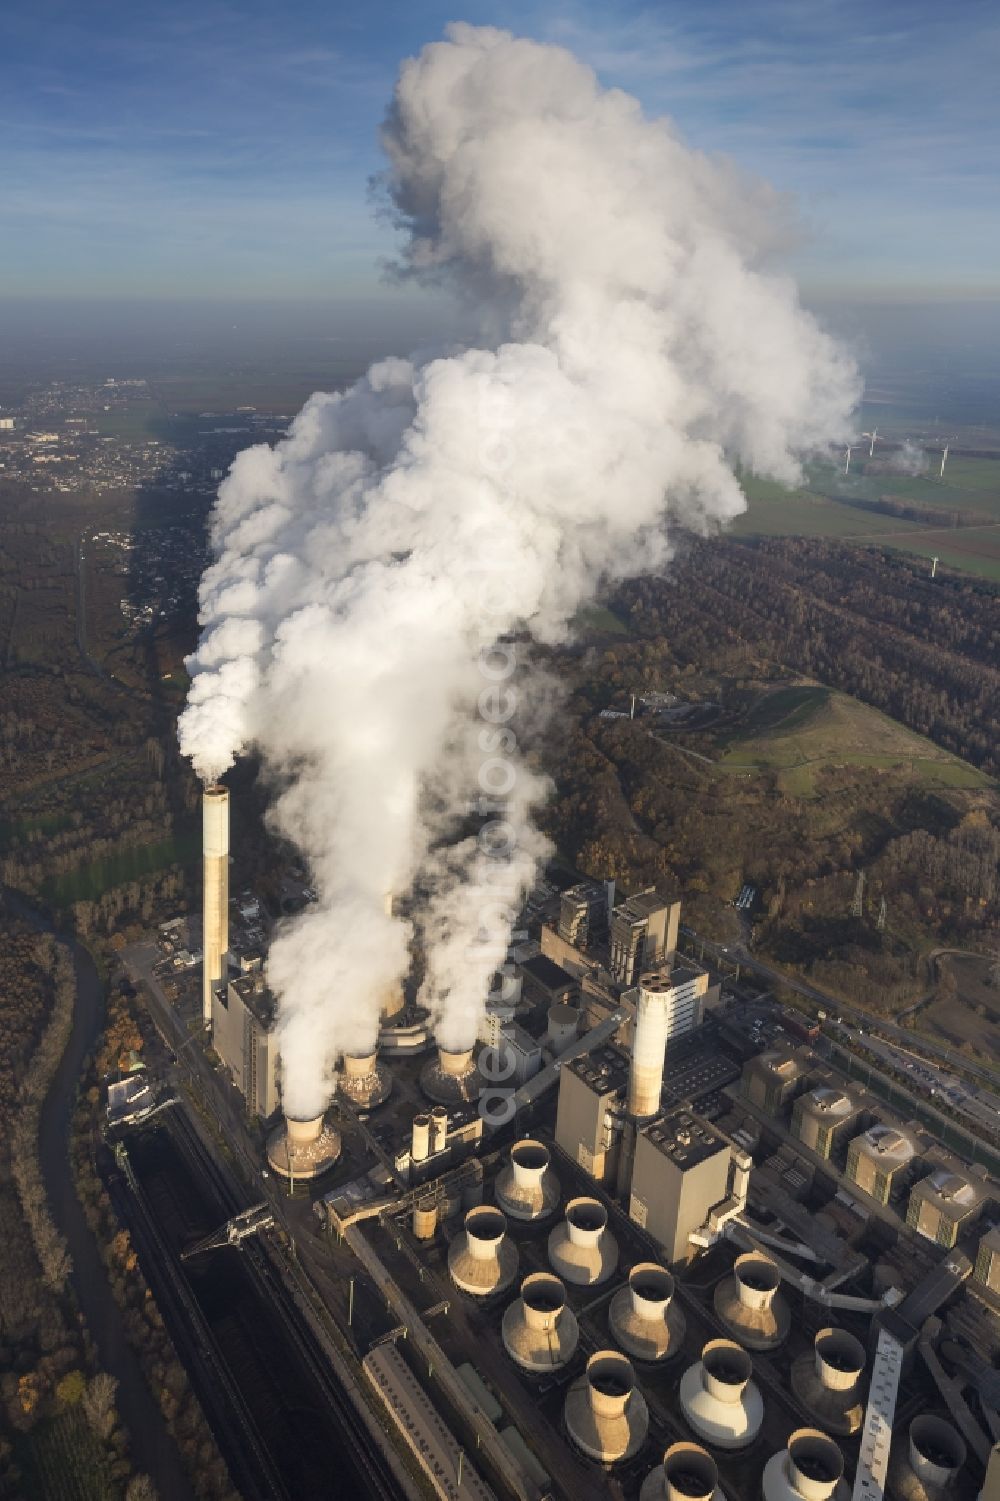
[481,1259]
[539,1332]
[927,1468]
[810,1469]
[450,1078]
[718,1398]
[364,1080]
[606,1414]
[750,1305]
[302,1148]
[643,1317]
[828,1381]
[582,1249]
[688,1473]
[527,1188]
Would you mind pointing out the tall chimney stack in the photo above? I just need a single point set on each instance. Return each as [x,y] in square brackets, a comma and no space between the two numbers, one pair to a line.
[649,1043]
[215,811]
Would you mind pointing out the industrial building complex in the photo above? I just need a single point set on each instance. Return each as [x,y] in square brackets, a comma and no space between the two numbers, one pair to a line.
[674,1256]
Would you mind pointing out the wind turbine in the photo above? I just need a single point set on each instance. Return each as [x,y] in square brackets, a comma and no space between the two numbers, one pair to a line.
[944,460]
[874,437]
[934,563]
[850,449]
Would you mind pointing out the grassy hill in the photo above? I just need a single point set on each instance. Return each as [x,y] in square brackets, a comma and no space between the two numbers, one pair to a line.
[796,731]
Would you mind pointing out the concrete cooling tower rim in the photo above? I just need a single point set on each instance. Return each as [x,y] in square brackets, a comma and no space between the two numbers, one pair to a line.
[301,1148]
[688,1473]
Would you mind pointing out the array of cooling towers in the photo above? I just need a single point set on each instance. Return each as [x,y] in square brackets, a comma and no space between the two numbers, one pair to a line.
[605,1413]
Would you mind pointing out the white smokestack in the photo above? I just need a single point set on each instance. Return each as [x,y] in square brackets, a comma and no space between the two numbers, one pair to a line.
[649,1043]
[368,566]
[215,910]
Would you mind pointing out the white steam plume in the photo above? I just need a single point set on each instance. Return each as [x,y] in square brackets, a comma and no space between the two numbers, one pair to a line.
[403,526]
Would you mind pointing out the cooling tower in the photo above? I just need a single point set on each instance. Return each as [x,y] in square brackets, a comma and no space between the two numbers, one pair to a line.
[215,911]
[649,1043]
[582,1249]
[688,1473]
[606,1415]
[927,1469]
[750,1305]
[364,1080]
[302,1148]
[527,1188]
[828,1381]
[481,1259]
[643,1317]
[718,1398]
[810,1469]
[540,1332]
[450,1078]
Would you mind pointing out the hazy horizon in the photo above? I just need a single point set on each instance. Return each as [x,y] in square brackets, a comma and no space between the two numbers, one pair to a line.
[934,358]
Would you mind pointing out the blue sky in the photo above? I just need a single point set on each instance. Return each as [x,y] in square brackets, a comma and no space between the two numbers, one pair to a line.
[224,149]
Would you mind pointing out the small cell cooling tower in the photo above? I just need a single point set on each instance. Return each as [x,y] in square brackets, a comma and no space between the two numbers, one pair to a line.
[582,1249]
[606,1415]
[829,1381]
[718,1398]
[688,1473]
[481,1259]
[643,1317]
[527,1188]
[750,1304]
[811,1468]
[540,1332]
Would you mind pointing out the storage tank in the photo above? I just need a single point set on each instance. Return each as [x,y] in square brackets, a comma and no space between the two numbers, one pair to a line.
[605,1414]
[811,1468]
[425,1218]
[563,1027]
[540,1332]
[643,1317]
[439,1129]
[688,1473]
[481,1259]
[927,1467]
[749,1304]
[364,1081]
[582,1249]
[450,1078]
[829,1381]
[302,1149]
[527,1188]
[718,1398]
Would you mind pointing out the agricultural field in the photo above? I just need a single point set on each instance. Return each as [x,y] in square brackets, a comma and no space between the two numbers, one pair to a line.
[801,730]
[832,504]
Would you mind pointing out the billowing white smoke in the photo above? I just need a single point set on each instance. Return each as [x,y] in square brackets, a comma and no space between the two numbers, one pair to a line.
[909,459]
[365,567]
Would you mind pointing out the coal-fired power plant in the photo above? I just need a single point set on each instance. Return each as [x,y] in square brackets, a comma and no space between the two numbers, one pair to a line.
[215,910]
